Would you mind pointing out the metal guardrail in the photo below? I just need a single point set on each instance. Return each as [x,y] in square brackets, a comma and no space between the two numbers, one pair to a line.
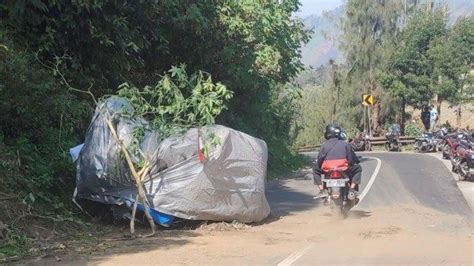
[373,141]
[308,148]
[381,140]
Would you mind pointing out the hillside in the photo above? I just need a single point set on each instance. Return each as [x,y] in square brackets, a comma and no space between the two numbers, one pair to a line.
[448,114]
[323,43]
[459,8]
[324,40]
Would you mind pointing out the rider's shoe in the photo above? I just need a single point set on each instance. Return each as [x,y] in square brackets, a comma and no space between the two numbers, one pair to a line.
[352,195]
[321,194]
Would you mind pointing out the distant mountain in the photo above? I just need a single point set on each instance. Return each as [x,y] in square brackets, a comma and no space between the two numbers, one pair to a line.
[458,8]
[323,45]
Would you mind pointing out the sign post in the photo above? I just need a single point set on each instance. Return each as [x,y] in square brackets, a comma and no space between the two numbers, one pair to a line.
[367,101]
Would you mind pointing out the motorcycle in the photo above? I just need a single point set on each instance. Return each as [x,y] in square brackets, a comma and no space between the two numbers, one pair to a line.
[425,143]
[361,143]
[451,143]
[463,161]
[431,142]
[393,138]
[340,197]
[440,138]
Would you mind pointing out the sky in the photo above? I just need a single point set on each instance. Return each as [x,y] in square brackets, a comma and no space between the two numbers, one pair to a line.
[310,7]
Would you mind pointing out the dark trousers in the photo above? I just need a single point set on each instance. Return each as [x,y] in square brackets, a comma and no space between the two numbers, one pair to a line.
[427,125]
[354,172]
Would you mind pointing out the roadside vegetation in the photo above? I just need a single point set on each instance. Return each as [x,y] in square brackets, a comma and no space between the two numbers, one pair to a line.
[404,53]
[49,50]
[249,54]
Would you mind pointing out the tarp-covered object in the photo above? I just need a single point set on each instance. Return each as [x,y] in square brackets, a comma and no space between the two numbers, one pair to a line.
[227,186]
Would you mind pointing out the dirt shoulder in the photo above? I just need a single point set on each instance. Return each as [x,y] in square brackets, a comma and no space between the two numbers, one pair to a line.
[401,234]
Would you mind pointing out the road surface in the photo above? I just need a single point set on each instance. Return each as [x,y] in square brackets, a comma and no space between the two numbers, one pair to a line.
[411,212]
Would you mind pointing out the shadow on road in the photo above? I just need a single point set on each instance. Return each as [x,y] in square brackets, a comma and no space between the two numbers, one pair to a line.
[364,159]
[285,200]
[116,244]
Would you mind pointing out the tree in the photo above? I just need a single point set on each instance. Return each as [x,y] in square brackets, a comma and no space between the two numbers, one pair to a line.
[410,74]
[453,59]
[368,28]
[336,83]
[251,47]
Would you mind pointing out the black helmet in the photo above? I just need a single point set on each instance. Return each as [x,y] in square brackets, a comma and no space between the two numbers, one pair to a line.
[332,131]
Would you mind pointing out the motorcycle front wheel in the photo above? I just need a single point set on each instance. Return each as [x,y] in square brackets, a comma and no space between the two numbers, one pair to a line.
[368,146]
[463,171]
[445,152]
[417,146]
[398,147]
[440,147]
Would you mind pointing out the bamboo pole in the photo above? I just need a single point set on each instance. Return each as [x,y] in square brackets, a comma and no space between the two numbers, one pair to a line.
[138,176]
[138,180]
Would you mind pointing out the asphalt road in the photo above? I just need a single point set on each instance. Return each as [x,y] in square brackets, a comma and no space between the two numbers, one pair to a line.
[416,179]
[411,213]
[416,193]
[406,178]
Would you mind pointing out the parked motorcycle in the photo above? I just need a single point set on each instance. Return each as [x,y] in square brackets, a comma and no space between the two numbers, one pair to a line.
[463,160]
[393,138]
[425,143]
[431,142]
[361,143]
[440,138]
[451,143]
[341,199]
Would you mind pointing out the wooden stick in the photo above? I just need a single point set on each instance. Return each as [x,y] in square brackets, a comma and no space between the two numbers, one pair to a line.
[132,219]
[138,181]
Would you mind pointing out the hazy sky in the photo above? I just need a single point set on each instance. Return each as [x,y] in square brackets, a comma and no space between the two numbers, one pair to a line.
[310,7]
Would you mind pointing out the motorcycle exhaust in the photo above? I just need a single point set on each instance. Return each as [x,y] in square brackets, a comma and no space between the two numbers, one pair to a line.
[351,195]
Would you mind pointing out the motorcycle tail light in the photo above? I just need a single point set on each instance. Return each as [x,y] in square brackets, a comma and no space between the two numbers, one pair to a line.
[335,174]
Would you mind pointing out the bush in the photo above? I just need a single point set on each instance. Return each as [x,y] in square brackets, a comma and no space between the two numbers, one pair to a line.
[39,121]
[411,129]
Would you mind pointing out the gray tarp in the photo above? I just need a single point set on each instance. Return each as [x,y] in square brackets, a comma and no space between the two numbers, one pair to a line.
[227,186]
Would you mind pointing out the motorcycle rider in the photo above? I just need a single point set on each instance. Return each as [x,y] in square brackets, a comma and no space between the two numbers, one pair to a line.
[334,148]
[425,117]
[433,117]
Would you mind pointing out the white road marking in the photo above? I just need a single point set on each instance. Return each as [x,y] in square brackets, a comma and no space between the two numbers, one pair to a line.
[372,178]
[300,253]
[295,256]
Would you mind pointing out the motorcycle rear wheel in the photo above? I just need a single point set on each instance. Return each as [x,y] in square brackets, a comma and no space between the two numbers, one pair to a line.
[337,208]
[368,146]
[462,172]
[416,146]
[445,155]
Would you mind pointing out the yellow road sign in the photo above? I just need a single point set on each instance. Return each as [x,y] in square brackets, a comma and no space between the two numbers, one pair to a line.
[367,99]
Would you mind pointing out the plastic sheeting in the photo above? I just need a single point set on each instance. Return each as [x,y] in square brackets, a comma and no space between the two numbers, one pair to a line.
[227,186]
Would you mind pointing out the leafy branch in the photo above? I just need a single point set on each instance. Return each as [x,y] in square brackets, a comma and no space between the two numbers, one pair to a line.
[178,101]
